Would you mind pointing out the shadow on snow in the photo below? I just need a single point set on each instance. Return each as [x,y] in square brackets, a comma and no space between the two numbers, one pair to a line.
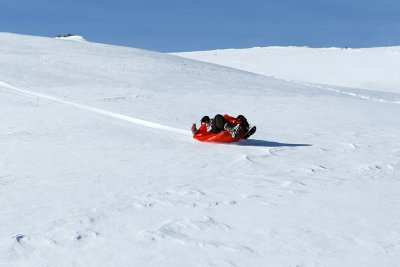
[256,142]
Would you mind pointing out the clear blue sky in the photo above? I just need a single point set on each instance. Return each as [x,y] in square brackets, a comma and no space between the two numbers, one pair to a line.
[189,25]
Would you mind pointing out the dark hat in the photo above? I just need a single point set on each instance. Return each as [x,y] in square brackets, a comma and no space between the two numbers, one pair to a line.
[205,119]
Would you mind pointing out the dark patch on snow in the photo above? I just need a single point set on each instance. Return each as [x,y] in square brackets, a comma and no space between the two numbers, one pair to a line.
[255,142]
[19,238]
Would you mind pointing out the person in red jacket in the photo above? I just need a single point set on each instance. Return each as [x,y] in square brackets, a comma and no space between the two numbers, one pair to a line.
[235,126]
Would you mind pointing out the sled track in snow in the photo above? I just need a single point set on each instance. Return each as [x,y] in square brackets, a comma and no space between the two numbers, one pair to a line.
[106,113]
[378,96]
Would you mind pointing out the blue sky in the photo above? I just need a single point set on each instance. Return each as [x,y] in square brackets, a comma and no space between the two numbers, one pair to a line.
[189,25]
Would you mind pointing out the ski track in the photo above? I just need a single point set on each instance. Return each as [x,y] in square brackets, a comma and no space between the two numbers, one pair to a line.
[106,113]
[356,93]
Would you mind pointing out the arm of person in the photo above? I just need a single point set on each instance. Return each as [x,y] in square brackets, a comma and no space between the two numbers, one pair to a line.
[194,128]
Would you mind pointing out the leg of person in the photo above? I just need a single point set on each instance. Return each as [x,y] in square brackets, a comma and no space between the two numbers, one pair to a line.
[218,123]
[221,122]
[243,122]
[248,130]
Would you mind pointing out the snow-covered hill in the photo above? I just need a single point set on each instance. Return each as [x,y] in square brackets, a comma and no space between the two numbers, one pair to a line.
[367,68]
[98,167]
[71,37]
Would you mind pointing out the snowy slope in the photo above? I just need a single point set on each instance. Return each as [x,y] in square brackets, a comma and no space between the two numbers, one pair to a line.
[366,68]
[99,168]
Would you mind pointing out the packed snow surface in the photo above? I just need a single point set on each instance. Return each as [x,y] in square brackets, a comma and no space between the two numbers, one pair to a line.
[99,168]
[366,68]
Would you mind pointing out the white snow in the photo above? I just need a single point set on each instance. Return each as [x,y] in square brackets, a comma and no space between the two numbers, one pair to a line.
[375,69]
[76,38]
[98,167]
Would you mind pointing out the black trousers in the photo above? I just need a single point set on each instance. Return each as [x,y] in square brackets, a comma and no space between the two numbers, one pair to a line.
[219,122]
[243,122]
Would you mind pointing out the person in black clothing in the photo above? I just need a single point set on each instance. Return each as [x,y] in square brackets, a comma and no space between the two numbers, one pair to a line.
[219,124]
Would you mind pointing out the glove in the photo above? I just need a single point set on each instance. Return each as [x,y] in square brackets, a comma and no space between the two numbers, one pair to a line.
[194,128]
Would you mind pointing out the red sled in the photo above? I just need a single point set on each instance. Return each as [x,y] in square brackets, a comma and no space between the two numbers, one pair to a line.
[221,137]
